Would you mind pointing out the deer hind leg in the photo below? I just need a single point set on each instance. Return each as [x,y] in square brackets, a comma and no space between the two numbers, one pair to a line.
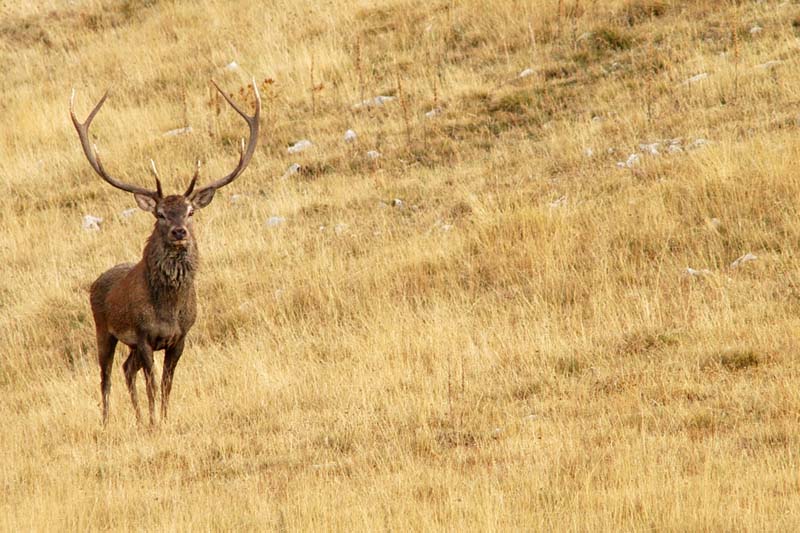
[145,356]
[106,344]
[131,368]
[171,357]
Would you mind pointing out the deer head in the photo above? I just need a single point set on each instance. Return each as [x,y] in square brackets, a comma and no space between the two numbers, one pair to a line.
[173,213]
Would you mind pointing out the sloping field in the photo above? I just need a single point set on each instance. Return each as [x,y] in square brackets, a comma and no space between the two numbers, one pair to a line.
[520,312]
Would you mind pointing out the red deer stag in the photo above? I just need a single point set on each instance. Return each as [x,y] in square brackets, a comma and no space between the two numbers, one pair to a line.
[151,305]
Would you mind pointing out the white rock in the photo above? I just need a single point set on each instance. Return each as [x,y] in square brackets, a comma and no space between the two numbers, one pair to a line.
[377,101]
[340,228]
[128,213]
[632,160]
[588,152]
[698,143]
[650,148]
[91,223]
[697,273]
[274,221]
[674,148]
[178,131]
[756,30]
[236,198]
[294,168]
[373,154]
[397,202]
[350,136]
[299,146]
[525,73]
[746,258]
[233,65]
[435,112]
[769,64]
[696,78]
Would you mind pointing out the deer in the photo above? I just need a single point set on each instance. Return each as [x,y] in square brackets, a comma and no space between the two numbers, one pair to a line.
[151,305]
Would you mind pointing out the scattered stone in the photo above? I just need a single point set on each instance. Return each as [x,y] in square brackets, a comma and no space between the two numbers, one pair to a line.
[178,131]
[435,112]
[236,198]
[397,202]
[675,148]
[755,30]
[299,146]
[698,143]
[769,64]
[350,136]
[373,154]
[378,101]
[588,152]
[525,73]
[274,221]
[651,148]
[294,168]
[697,273]
[696,78]
[232,66]
[340,228]
[128,213]
[746,258]
[91,223]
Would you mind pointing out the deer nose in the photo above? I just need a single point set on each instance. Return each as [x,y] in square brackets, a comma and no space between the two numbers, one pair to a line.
[179,234]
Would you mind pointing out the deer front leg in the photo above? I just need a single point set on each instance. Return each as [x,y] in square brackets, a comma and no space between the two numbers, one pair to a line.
[145,356]
[106,344]
[131,368]
[173,354]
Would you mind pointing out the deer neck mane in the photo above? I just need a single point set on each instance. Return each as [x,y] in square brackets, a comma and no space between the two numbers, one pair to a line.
[169,268]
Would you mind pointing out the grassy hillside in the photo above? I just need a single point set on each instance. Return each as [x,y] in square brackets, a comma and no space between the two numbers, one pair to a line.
[524,313]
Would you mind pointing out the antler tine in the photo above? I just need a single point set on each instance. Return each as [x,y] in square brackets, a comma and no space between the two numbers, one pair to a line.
[92,155]
[246,153]
[194,180]
[158,180]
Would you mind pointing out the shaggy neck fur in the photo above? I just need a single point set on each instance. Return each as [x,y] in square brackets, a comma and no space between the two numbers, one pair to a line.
[170,268]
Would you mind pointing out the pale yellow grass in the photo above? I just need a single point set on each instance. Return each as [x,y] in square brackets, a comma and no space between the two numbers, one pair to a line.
[476,358]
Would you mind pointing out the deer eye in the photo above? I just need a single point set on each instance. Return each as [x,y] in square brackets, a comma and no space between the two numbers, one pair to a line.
[191,213]
[160,216]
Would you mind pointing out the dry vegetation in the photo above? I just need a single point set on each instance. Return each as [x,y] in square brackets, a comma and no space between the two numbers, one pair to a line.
[517,345]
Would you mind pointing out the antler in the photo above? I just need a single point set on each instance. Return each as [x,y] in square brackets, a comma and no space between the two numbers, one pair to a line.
[244,154]
[93,155]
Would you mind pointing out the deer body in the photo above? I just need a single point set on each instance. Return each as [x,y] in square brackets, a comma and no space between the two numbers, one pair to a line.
[148,306]
[151,305]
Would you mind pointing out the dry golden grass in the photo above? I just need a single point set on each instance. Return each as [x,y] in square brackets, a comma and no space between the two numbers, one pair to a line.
[517,346]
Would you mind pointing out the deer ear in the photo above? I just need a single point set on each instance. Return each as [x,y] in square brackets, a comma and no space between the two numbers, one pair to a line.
[145,203]
[202,198]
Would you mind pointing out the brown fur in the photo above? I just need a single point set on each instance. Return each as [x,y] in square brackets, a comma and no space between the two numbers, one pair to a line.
[149,306]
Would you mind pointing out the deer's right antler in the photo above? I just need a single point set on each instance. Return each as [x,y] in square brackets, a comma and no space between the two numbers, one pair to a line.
[245,154]
[94,157]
